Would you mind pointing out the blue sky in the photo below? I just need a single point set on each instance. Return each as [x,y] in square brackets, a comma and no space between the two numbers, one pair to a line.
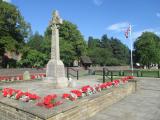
[95,17]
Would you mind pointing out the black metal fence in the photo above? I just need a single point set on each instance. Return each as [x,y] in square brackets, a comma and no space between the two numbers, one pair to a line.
[70,72]
[136,73]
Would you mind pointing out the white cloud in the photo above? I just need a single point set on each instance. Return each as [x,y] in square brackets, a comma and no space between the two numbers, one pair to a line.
[158,15]
[9,1]
[139,33]
[98,2]
[121,27]
[118,27]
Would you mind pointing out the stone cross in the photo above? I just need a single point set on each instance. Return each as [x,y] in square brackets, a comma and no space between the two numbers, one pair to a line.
[56,21]
[55,72]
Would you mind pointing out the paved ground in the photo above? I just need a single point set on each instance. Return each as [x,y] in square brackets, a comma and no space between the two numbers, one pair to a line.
[43,88]
[142,105]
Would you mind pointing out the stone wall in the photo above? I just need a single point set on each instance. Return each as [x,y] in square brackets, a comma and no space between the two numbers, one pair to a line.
[19,71]
[79,110]
[11,113]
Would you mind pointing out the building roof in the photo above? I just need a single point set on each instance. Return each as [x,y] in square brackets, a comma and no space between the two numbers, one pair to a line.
[86,60]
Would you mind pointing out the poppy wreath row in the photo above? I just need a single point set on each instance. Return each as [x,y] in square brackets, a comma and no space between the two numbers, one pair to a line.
[20,77]
[19,95]
[88,90]
[53,100]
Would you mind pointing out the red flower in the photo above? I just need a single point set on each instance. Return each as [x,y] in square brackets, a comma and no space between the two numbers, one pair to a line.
[130,77]
[33,77]
[49,99]
[5,93]
[19,95]
[49,106]
[116,82]
[125,79]
[102,86]
[77,92]
[33,96]
[105,85]
[8,91]
[44,75]
[85,88]
[66,95]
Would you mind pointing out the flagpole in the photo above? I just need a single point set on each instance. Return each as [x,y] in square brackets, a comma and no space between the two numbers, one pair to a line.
[131,42]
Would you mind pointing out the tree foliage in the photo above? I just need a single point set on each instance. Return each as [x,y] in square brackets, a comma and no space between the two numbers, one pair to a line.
[120,51]
[147,49]
[13,28]
[35,41]
[107,51]
[32,58]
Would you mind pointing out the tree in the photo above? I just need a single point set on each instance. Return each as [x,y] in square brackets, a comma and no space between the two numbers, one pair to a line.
[35,41]
[12,23]
[147,49]
[92,43]
[120,51]
[13,28]
[105,42]
[100,56]
[107,51]
[32,58]
[67,53]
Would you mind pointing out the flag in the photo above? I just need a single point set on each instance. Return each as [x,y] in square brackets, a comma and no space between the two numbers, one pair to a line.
[126,33]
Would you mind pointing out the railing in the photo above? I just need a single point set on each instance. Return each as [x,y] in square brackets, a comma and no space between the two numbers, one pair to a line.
[74,70]
[107,73]
[142,73]
[138,73]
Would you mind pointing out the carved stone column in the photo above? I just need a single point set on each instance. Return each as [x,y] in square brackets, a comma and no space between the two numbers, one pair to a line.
[55,68]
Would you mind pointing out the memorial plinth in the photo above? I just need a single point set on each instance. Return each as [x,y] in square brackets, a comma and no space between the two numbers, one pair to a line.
[55,72]
[81,109]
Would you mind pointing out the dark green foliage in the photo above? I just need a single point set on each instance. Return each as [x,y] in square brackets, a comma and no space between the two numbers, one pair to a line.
[13,29]
[71,35]
[67,53]
[120,51]
[35,41]
[33,54]
[147,49]
[32,58]
[107,51]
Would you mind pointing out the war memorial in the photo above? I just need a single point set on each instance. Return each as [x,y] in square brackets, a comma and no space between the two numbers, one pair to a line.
[51,97]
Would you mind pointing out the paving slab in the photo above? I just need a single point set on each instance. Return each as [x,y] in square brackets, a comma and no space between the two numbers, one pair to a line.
[142,105]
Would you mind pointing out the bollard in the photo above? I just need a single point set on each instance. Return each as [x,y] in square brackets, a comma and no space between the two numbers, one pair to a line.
[104,75]
[123,73]
[77,75]
[111,76]
[119,73]
[141,74]
[68,73]
[158,74]
[137,74]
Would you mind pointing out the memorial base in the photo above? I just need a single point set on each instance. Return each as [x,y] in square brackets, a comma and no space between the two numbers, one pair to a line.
[55,74]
